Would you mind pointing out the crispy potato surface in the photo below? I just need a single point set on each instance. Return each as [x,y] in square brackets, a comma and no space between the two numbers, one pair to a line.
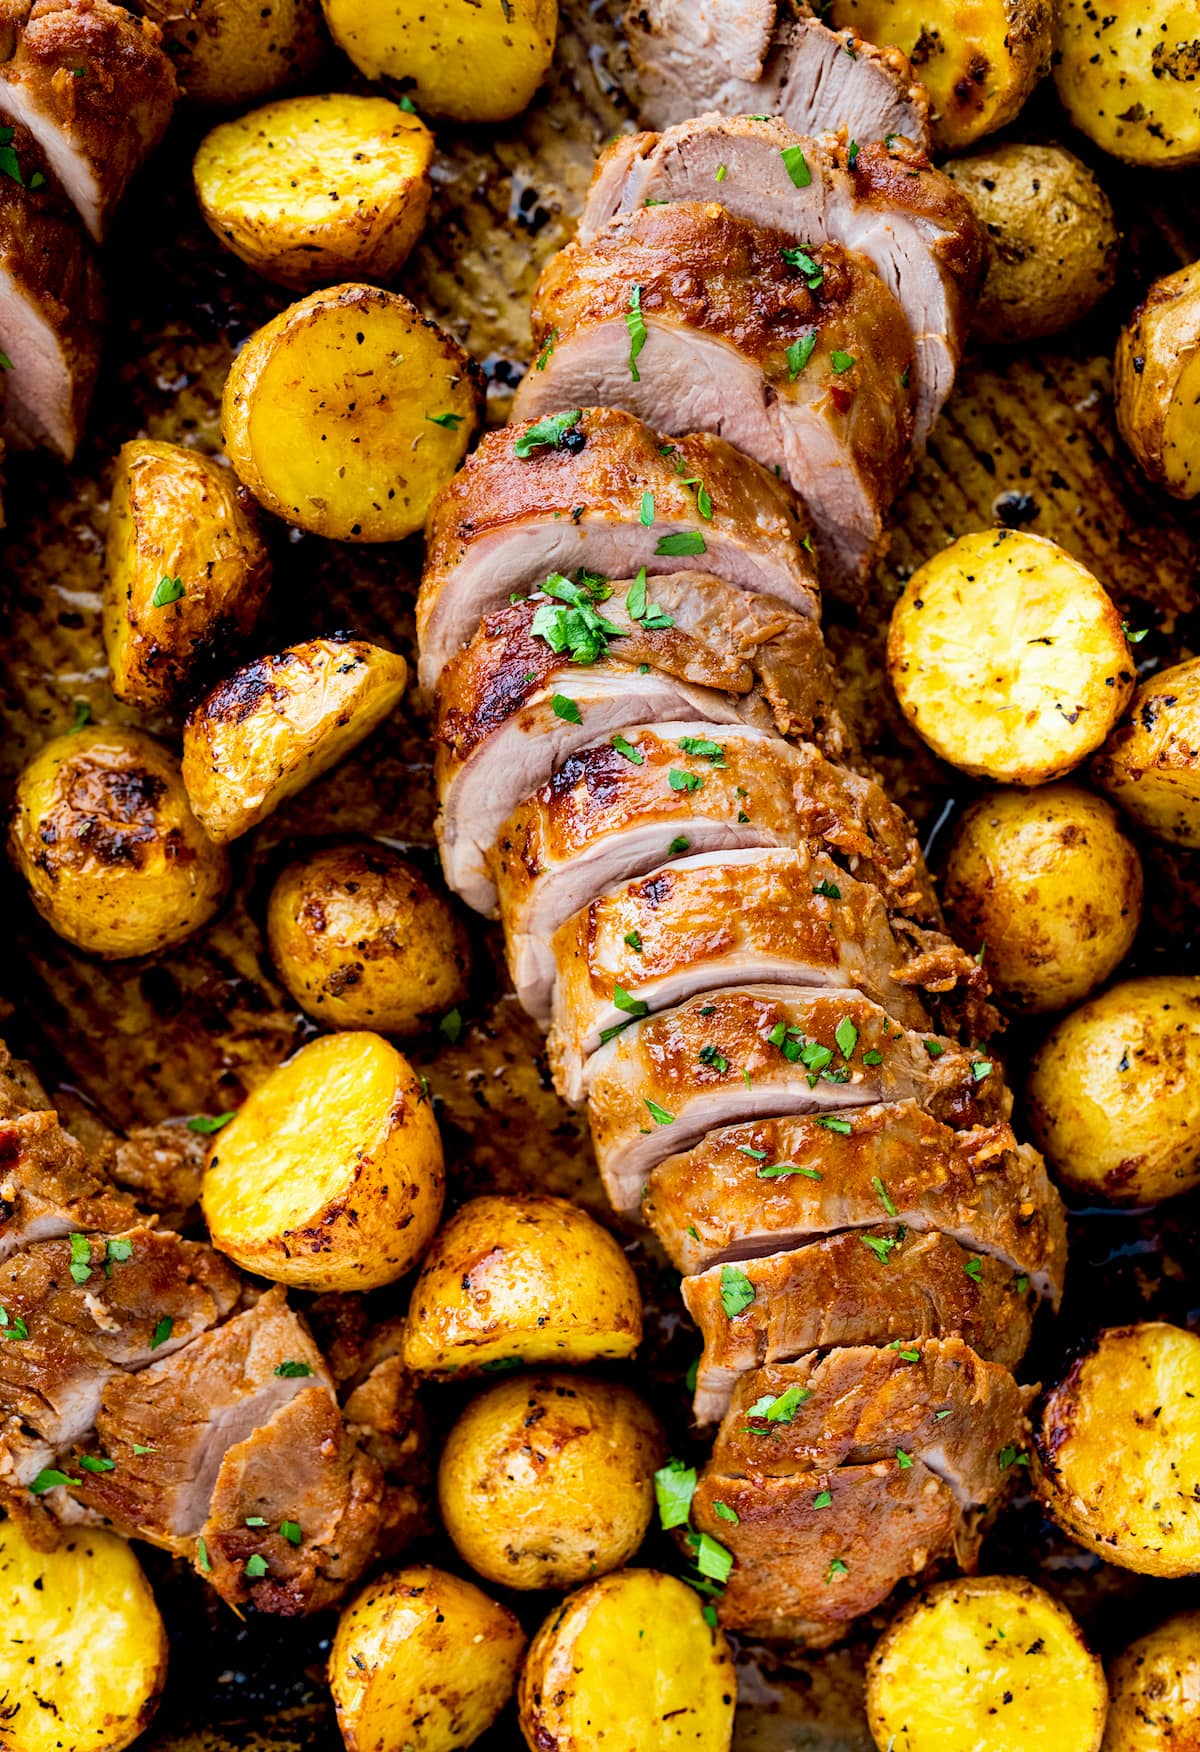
[348,412]
[1150,765]
[1048,888]
[1008,657]
[311,190]
[361,940]
[532,1280]
[1117,1450]
[103,833]
[233,51]
[330,1175]
[1127,77]
[547,1480]
[630,1664]
[85,1649]
[1157,380]
[278,723]
[1155,1691]
[422,1660]
[186,571]
[459,59]
[1113,1097]
[985,1664]
[1052,238]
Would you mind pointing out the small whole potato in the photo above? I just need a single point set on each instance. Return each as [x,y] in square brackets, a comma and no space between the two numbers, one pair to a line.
[103,834]
[1156,382]
[233,51]
[1155,1691]
[1047,886]
[1150,765]
[546,1480]
[1114,1092]
[361,940]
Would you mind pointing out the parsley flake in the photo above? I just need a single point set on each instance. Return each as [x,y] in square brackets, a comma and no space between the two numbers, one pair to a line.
[674,1488]
[737,1292]
[796,165]
[566,709]
[166,591]
[635,322]
[547,434]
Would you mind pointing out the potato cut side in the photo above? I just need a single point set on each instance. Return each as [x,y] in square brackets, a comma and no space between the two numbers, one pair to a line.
[1009,658]
[85,1652]
[1157,382]
[317,189]
[1150,765]
[987,1664]
[1155,1691]
[1127,77]
[348,412]
[330,1175]
[1117,1454]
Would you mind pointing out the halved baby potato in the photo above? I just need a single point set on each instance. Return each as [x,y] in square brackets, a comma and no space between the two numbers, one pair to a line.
[348,412]
[1009,658]
[1155,1690]
[1117,1449]
[330,1175]
[85,1651]
[985,1664]
[233,51]
[1150,765]
[1156,381]
[529,1280]
[315,189]
[629,1662]
[278,723]
[1126,76]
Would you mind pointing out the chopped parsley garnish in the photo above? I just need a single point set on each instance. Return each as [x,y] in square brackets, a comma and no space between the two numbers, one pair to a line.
[255,1521]
[796,165]
[202,1557]
[841,361]
[782,1408]
[501,1365]
[839,1567]
[116,1252]
[6,363]
[712,1559]
[451,1025]
[639,608]
[646,514]
[885,1198]
[207,1123]
[81,1258]
[292,1370]
[981,1069]
[780,1170]
[674,1488]
[658,1114]
[835,1123]
[823,1499]
[96,1463]
[852,155]
[1133,638]
[749,1150]
[566,709]
[935,1048]
[162,1332]
[547,434]
[577,627]
[737,1292]
[681,781]
[635,322]
[291,1531]
[256,1567]
[49,1478]
[678,844]
[872,1057]
[846,1035]
[881,1246]
[450,421]
[903,1460]
[974,1269]
[705,746]
[1010,1456]
[721,173]
[1022,1284]
[714,1058]
[813,272]
[83,715]
[827,889]
[8,157]
[166,591]
[633,940]
[631,1006]
[724,1512]
[12,1325]
[906,1356]
[799,353]
[629,751]
[543,358]
[686,541]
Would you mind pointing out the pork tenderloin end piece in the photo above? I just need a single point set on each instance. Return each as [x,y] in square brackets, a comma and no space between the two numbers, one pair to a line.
[48,1188]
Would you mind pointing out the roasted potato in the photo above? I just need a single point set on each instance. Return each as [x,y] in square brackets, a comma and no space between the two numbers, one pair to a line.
[459,59]
[532,1280]
[348,412]
[103,834]
[85,1650]
[985,1664]
[629,1663]
[314,189]
[547,1480]
[361,940]
[1126,76]
[186,571]
[1117,1449]
[1150,765]
[1008,657]
[278,723]
[422,1660]
[1154,1689]
[330,1174]
[233,51]
[1046,886]
[1114,1092]
[1156,379]
[1052,238]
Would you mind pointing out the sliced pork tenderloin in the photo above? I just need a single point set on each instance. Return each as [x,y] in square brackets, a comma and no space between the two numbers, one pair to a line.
[20,1090]
[699,321]
[508,520]
[48,1188]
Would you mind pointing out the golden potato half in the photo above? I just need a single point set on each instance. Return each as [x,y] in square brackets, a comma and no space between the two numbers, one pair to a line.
[1117,1449]
[547,1480]
[330,1175]
[422,1660]
[981,1664]
[1008,657]
[1157,380]
[103,834]
[1114,1092]
[361,940]
[85,1650]
[629,1662]
[1126,76]
[470,62]
[278,723]
[233,51]
[1048,888]
[1155,1691]
[348,412]
[315,189]
[532,1280]
[1150,765]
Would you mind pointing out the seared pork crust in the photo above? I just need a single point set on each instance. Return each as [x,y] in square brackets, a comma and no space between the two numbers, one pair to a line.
[48,1188]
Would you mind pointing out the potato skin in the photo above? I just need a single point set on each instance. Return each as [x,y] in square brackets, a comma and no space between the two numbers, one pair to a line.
[1126,76]
[361,940]
[266,184]
[102,832]
[534,1279]
[233,51]
[1150,765]
[1117,1449]
[177,516]
[547,1480]
[330,1175]
[1047,885]
[1052,237]
[1156,382]
[1114,1092]
[1155,1690]
[423,1660]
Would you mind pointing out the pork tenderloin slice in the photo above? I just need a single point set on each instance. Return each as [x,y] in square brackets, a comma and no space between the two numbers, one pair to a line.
[729,324]
[783,916]
[48,1188]
[20,1090]
[505,522]
[717,1203]
[760,1051]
